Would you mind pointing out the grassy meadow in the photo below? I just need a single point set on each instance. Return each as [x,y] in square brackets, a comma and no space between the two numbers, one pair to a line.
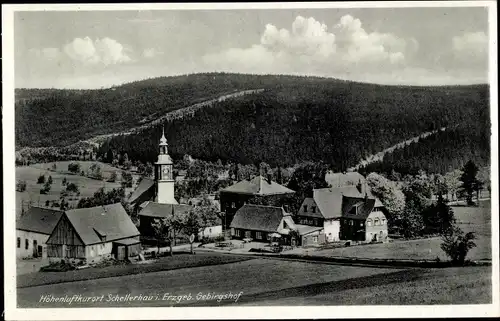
[87,186]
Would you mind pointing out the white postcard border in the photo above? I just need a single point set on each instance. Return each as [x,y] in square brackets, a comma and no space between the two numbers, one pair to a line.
[13,313]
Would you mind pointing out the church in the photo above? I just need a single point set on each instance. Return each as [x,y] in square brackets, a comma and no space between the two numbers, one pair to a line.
[154,199]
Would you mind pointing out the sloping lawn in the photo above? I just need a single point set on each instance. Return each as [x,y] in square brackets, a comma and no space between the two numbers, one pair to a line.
[467,285]
[86,186]
[162,264]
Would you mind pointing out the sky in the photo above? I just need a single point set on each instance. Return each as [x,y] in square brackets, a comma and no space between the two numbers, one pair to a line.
[404,46]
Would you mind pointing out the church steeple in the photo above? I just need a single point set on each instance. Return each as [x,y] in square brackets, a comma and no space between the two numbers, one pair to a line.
[163,142]
[164,174]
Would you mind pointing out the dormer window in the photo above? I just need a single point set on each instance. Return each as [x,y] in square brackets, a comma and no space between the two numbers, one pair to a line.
[353,210]
[102,235]
[313,209]
[305,208]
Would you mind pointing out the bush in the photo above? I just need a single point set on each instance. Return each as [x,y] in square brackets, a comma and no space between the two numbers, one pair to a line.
[41,179]
[456,244]
[74,167]
[72,188]
[21,186]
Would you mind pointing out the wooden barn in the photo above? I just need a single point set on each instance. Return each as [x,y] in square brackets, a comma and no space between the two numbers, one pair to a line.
[92,234]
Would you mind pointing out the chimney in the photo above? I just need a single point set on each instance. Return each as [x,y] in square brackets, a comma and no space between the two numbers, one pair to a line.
[269,177]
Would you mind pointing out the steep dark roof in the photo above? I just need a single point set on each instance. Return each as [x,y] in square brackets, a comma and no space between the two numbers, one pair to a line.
[329,200]
[258,218]
[153,209]
[365,207]
[144,186]
[258,186]
[39,220]
[310,203]
[111,221]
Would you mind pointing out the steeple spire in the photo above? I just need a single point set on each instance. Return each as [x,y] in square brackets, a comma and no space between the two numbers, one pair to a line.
[163,139]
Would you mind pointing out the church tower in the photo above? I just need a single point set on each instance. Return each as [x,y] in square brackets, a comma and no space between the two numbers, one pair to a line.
[164,174]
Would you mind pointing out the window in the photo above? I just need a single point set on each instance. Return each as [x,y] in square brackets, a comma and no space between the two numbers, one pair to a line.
[361,224]
[305,208]
[315,221]
[26,244]
[376,222]
[351,222]
[237,232]
[18,242]
[209,230]
[268,237]
[233,205]
[353,210]
[383,221]
[258,235]
[248,234]
[315,239]
[313,209]
[369,222]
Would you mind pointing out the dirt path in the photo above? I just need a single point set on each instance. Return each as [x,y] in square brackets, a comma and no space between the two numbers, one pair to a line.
[175,114]
[380,155]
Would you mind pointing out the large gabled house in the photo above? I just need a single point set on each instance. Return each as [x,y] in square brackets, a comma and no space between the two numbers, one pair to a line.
[235,196]
[92,234]
[345,213]
[33,229]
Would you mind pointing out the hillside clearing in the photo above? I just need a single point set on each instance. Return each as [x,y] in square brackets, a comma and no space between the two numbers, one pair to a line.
[87,186]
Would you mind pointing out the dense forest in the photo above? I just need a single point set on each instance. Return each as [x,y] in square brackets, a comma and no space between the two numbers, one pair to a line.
[54,117]
[440,153]
[295,123]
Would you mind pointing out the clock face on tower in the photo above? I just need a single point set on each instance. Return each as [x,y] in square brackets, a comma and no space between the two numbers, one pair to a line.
[166,172]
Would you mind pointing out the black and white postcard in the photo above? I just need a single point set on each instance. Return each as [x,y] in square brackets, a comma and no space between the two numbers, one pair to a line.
[250,160]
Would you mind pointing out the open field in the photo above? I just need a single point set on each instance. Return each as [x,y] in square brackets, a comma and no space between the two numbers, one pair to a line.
[273,281]
[475,219]
[470,285]
[162,264]
[87,186]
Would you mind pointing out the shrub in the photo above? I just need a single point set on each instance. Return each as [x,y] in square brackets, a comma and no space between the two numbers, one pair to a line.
[74,167]
[21,186]
[49,179]
[64,181]
[72,188]
[41,179]
[456,244]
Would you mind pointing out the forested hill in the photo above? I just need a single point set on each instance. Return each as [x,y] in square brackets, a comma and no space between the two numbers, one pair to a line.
[315,120]
[54,117]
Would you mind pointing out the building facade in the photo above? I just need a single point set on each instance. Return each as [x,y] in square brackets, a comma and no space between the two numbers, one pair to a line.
[235,196]
[345,213]
[33,230]
[89,235]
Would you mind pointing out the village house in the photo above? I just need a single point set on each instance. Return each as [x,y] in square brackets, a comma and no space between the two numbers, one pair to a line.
[93,234]
[33,229]
[154,199]
[261,223]
[151,211]
[235,196]
[344,213]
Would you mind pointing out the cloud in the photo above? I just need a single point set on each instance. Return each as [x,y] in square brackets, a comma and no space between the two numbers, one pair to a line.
[308,46]
[151,53]
[471,47]
[106,51]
